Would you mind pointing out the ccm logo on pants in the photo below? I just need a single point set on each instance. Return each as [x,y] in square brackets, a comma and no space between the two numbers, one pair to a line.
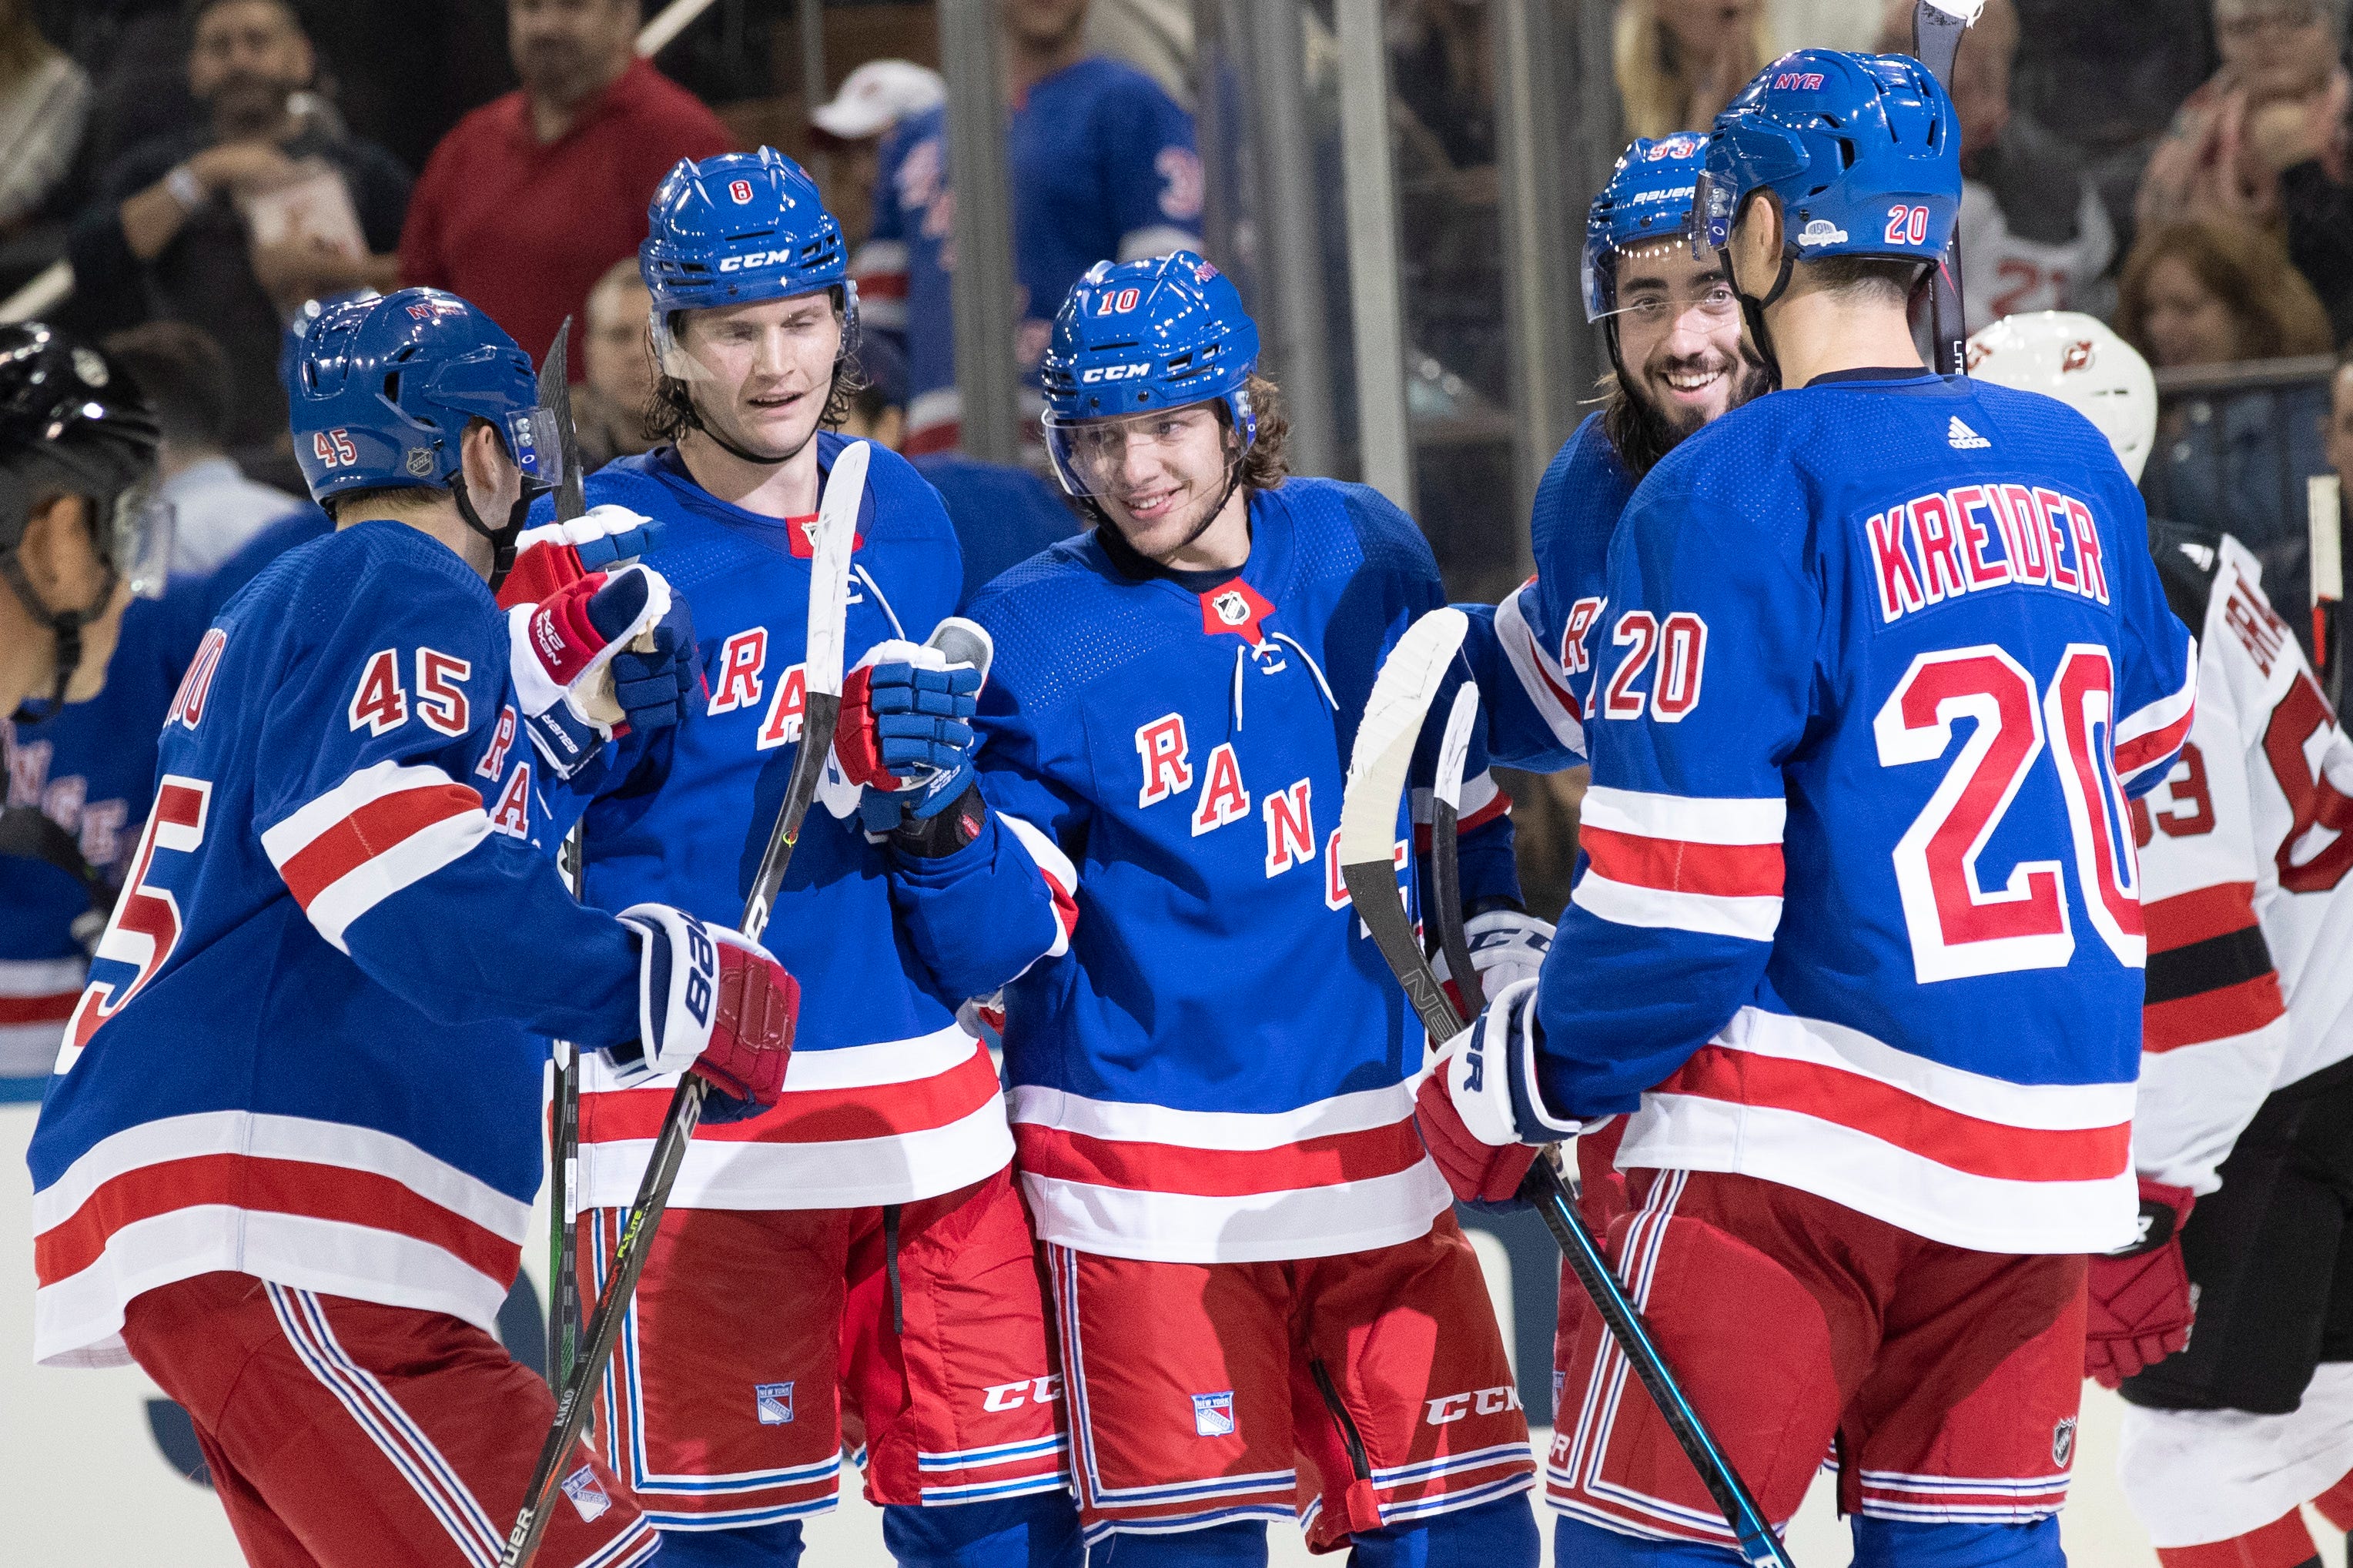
[1028,1391]
[1486,1401]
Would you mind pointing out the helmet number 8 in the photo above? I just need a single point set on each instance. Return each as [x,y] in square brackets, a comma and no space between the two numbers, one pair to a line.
[1125,300]
[740,190]
[334,449]
[1908,224]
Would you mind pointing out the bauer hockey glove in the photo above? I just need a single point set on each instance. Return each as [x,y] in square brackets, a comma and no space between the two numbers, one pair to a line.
[560,651]
[1477,1107]
[2141,1303]
[554,555]
[711,1003]
[906,735]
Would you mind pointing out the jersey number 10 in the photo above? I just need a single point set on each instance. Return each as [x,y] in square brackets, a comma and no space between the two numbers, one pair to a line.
[1959,926]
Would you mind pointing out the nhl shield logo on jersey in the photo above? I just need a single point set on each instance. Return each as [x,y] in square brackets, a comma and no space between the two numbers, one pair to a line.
[774,1401]
[587,1495]
[1213,1415]
[1235,608]
[2062,1442]
[1232,608]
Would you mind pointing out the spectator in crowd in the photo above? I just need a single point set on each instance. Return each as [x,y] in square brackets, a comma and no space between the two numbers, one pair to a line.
[873,100]
[1101,165]
[2340,421]
[1680,61]
[1441,67]
[530,198]
[230,225]
[609,407]
[1156,37]
[216,508]
[2277,101]
[2201,293]
[2317,201]
[2033,233]
[44,109]
[1002,515]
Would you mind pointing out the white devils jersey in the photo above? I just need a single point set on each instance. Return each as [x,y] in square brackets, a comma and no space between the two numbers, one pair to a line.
[2244,851]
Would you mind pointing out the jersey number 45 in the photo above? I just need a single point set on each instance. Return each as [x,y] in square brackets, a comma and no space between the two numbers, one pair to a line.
[1959,927]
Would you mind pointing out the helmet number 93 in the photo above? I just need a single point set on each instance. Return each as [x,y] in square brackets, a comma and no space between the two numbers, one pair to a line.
[1908,225]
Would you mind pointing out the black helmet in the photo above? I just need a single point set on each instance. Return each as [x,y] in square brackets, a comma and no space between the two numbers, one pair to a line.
[72,423]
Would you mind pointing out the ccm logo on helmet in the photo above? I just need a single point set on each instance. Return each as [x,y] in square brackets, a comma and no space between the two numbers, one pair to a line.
[755,259]
[1115,372]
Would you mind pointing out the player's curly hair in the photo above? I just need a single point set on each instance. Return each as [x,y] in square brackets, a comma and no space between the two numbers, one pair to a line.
[668,413]
[1268,462]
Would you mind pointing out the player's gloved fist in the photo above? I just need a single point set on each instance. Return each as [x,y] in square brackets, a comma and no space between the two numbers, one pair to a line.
[906,728]
[1477,1107]
[554,555]
[654,687]
[561,653]
[711,1003]
[1507,946]
[2140,1303]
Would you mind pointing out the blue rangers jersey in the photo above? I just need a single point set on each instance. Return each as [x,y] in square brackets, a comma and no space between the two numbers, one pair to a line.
[310,1049]
[89,769]
[1101,165]
[1534,653]
[1859,910]
[888,1099]
[1206,1052]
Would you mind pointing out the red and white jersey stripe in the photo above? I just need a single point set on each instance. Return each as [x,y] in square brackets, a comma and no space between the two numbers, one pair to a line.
[1540,672]
[1700,865]
[889,1122]
[36,997]
[320,1206]
[1952,1156]
[1131,1180]
[383,828]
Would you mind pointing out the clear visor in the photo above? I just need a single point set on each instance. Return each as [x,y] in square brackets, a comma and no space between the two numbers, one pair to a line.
[1645,296]
[138,540]
[1712,204]
[536,443]
[1100,457]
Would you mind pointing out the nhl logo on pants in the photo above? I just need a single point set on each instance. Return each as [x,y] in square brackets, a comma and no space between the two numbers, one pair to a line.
[1213,1415]
[773,1401]
[587,1494]
[2062,1441]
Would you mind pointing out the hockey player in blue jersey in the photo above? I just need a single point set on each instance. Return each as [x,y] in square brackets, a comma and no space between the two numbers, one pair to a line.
[862,1245]
[1857,937]
[287,1159]
[1679,358]
[1265,1307]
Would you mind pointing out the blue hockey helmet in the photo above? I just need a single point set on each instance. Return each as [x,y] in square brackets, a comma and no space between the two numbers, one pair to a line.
[1141,336]
[385,387]
[1649,200]
[737,228]
[1863,151]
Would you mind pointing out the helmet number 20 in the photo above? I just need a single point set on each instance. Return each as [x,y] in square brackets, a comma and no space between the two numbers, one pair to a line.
[334,449]
[1908,225]
[1120,300]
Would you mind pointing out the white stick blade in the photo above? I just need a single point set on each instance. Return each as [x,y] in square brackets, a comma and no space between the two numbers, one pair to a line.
[836,536]
[1454,747]
[2324,505]
[1402,693]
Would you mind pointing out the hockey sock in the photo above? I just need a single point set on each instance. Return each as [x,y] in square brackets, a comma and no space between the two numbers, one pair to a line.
[1241,1544]
[2285,1543]
[1497,1535]
[774,1546]
[1901,1543]
[1590,1546]
[1040,1531]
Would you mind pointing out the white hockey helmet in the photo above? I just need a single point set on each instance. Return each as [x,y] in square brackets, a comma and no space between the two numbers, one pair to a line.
[2079,361]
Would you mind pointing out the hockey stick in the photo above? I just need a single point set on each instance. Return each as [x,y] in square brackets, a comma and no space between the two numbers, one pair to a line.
[563,1135]
[1394,715]
[1445,853]
[828,606]
[1936,30]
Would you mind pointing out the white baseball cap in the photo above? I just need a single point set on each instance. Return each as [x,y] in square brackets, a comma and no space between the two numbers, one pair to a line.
[877,96]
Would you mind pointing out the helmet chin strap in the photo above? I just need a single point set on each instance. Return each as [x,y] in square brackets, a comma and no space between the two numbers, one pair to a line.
[503,539]
[1752,308]
[65,626]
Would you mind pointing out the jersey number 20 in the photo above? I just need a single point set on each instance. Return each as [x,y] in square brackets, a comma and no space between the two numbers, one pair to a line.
[1959,926]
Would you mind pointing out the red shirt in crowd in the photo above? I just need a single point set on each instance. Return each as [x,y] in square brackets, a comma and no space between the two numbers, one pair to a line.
[523,229]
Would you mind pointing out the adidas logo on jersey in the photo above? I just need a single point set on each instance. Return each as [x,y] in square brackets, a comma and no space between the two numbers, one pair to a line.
[1961,438]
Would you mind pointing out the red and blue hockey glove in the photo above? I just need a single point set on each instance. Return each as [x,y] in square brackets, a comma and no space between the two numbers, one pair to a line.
[711,1003]
[1507,946]
[1477,1107]
[554,555]
[906,735]
[561,653]
[2141,1304]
